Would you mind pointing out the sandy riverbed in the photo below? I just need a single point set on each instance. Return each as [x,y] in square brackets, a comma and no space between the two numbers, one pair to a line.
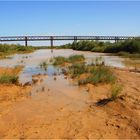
[63,111]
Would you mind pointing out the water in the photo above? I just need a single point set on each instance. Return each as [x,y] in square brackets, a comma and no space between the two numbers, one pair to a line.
[31,61]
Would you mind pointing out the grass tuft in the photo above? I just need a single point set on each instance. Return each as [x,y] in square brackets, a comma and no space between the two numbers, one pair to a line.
[99,74]
[43,65]
[77,69]
[60,60]
[115,91]
[76,58]
[8,49]
[8,79]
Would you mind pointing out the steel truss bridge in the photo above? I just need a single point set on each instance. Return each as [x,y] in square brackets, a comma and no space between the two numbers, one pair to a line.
[74,38]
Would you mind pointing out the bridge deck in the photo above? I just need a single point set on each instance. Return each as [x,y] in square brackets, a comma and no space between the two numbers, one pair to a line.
[52,38]
[37,38]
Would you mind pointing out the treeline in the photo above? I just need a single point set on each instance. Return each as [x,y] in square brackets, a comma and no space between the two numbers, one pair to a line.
[129,46]
[14,47]
[7,49]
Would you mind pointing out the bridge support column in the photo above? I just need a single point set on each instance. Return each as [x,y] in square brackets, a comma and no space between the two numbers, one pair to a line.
[97,39]
[75,41]
[51,44]
[116,40]
[26,39]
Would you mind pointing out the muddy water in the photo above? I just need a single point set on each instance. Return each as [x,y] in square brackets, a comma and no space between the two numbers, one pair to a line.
[31,61]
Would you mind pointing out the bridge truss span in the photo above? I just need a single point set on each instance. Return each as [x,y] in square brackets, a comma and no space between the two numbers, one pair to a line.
[74,38]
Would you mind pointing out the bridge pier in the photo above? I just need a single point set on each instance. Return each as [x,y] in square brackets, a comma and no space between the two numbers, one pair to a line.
[26,39]
[97,39]
[75,40]
[116,40]
[51,44]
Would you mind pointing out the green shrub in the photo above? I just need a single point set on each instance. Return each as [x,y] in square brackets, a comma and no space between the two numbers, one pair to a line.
[23,48]
[130,55]
[43,65]
[59,60]
[9,79]
[115,91]
[7,49]
[130,46]
[98,61]
[99,74]
[75,58]
[77,69]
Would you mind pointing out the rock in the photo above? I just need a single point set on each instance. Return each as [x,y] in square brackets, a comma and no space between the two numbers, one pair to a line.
[43,88]
[54,74]
[64,72]
[27,84]
[65,77]
[35,81]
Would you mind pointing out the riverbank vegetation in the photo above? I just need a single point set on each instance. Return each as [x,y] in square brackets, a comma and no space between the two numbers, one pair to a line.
[9,75]
[43,65]
[9,79]
[95,73]
[8,49]
[128,48]
[60,60]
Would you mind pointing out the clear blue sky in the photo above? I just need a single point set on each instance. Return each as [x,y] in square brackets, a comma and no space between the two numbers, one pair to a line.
[69,18]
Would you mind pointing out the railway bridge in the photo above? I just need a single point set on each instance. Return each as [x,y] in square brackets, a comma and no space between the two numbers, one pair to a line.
[53,38]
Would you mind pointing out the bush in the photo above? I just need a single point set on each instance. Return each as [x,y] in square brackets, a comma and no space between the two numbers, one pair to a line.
[6,49]
[99,74]
[98,61]
[75,58]
[9,79]
[60,60]
[43,65]
[130,46]
[115,91]
[77,69]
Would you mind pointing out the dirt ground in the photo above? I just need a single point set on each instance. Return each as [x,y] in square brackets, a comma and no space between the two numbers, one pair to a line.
[11,93]
[61,111]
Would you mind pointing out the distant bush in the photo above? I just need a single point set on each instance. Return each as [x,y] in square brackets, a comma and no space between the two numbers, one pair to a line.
[24,48]
[129,46]
[6,49]
[60,60]
[76,58]
[130,55]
